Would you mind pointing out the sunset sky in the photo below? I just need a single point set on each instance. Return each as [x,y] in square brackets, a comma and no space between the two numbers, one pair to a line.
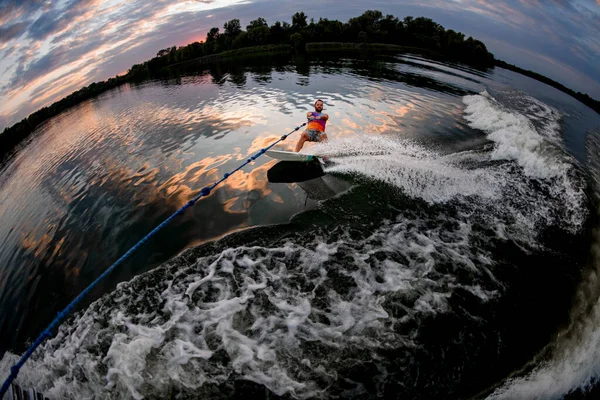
[49,49]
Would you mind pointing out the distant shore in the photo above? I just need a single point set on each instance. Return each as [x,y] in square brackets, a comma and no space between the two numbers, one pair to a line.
[324,46]
[239,54]
[582,97]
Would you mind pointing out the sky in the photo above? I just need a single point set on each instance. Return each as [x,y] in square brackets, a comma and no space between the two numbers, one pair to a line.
[49,49]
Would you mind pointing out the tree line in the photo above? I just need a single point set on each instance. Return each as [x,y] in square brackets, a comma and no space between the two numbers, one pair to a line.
[370,27]
[12,136]
[582,97]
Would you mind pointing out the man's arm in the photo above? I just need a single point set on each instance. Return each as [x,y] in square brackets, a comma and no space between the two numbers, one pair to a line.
[324,116]
[309,116]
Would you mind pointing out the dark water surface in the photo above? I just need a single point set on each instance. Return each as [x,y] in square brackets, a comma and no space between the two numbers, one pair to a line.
[449,252]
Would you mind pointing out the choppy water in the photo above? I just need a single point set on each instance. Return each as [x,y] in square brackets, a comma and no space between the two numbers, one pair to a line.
[450,251]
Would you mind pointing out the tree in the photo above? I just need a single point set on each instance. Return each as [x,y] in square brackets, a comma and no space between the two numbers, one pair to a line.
[453,41]
[297,41]
[163,52]
[299,21]
[278,33]
[212,35]
[211,41]
[390,29]
[259,35]
[369,19]
[232,28]
[240,41]
[257,23]
[368,22]
[173,55]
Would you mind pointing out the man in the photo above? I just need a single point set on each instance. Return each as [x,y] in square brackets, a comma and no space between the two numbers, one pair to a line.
[315,130]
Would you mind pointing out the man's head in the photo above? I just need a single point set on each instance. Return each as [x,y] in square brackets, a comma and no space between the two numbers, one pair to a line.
[319,105]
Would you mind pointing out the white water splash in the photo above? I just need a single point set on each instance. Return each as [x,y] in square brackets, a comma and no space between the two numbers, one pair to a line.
[419,172]
[281,317]
[542,191]
[515,136]
[571,361]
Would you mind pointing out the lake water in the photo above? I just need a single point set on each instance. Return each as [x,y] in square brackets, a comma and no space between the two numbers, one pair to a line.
[451,250]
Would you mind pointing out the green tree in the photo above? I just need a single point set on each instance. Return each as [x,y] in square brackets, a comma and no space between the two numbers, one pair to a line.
[240,41]
[299,21]
[163,52]
[173,55]
[212,35]
[259,35]
[368,22]
[334,29]
[297,41]
[369,19]
[257,23]
[390,30]
[278,33]
[258,32]
[212,38]
[232,28]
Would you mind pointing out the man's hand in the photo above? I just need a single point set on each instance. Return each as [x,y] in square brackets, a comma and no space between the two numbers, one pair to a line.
[312,117]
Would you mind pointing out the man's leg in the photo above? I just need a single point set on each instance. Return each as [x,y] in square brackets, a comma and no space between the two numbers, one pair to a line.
[303,138]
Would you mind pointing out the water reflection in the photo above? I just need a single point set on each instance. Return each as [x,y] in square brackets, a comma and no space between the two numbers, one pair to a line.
[100,176]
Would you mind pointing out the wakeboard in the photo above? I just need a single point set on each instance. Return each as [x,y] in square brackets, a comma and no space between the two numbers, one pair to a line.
[290,156]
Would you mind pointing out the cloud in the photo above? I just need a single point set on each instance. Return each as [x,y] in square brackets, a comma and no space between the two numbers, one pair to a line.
[59,57]
[46,25]
[54,21]
[13,10]
[10,50]
[13,31]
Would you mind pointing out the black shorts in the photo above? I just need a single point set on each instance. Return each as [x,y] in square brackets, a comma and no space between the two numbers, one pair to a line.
[314,135]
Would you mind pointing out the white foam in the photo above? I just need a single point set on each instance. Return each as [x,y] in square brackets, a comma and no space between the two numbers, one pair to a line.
[571,361]
[419,172]
[515,203]
[515,136]
[204,323]
[593,150]
[532,139]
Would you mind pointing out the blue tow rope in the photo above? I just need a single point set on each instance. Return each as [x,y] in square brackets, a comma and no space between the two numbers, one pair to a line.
[47,333]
